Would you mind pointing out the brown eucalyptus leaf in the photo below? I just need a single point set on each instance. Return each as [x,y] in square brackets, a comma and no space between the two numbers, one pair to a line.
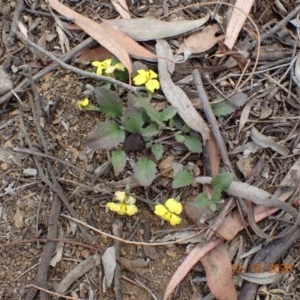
[200,41]
[219,273]
[97,31]
[237,20]
[122,8]
[193,257]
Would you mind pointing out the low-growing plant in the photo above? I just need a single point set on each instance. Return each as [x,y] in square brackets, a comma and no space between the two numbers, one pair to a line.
[219,183]
[136,124]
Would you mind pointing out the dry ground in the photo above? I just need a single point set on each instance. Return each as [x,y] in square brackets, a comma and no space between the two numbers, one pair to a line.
[26,198]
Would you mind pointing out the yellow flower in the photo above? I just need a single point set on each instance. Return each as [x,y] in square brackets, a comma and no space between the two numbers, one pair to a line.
[81,104]
[86,105]
[170,211]
[107,67]
[126,205]
[122,208]
[147,78]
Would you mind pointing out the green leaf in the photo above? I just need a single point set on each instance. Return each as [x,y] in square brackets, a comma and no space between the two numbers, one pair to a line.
[193,144]
[216,196]
[168,113]
[213,206]
[223,108]
[150,130]
[157,150]
[109,102]
[134,122]
[185,129]
[118,160]
[144,171]
[179,138]
[182,178]
[221,182]
[144,102]
[202,200]
[105,135]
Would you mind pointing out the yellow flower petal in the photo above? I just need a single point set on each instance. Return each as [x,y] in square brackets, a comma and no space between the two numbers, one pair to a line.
[123,209]
[131,209]
[120,196]
[151,74]
[152,85]
[116,207]
[119,67]
[130,200]
[174,206]
[160,210]
[167,216]
[101,65]
[139,80]
[81,104]
[97,63]
[107,62]
[175,220]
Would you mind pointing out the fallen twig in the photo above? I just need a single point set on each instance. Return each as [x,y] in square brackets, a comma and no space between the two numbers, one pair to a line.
[42,273]
[77,272]
[24,83]
[74,69]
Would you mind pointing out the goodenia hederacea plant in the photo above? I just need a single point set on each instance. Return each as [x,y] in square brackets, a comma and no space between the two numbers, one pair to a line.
[182,178]
[219,183]
[118,160]
[105,135]
[133,122]
[144,102]
[191,142]
[109,102]
[144,171]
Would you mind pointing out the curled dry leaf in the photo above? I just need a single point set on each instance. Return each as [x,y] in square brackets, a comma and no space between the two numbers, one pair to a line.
[175,94]
[261,278]
[200,41]
[266,142]
[145,29]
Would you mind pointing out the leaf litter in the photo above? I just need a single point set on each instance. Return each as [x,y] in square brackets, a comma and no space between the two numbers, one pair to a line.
[122,47]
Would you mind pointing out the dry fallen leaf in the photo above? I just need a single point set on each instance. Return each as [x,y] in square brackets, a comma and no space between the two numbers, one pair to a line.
[200,41]
[97,31]
[193,257]
[109,264]
[266,142]
[219,273]
[175,94]
[18,219]
[236,21]
[145,29]
[122,8]
[113,40]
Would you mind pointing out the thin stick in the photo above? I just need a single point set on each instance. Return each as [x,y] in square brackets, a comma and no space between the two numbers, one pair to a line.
[212,120]
[24,83]
[74,69]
